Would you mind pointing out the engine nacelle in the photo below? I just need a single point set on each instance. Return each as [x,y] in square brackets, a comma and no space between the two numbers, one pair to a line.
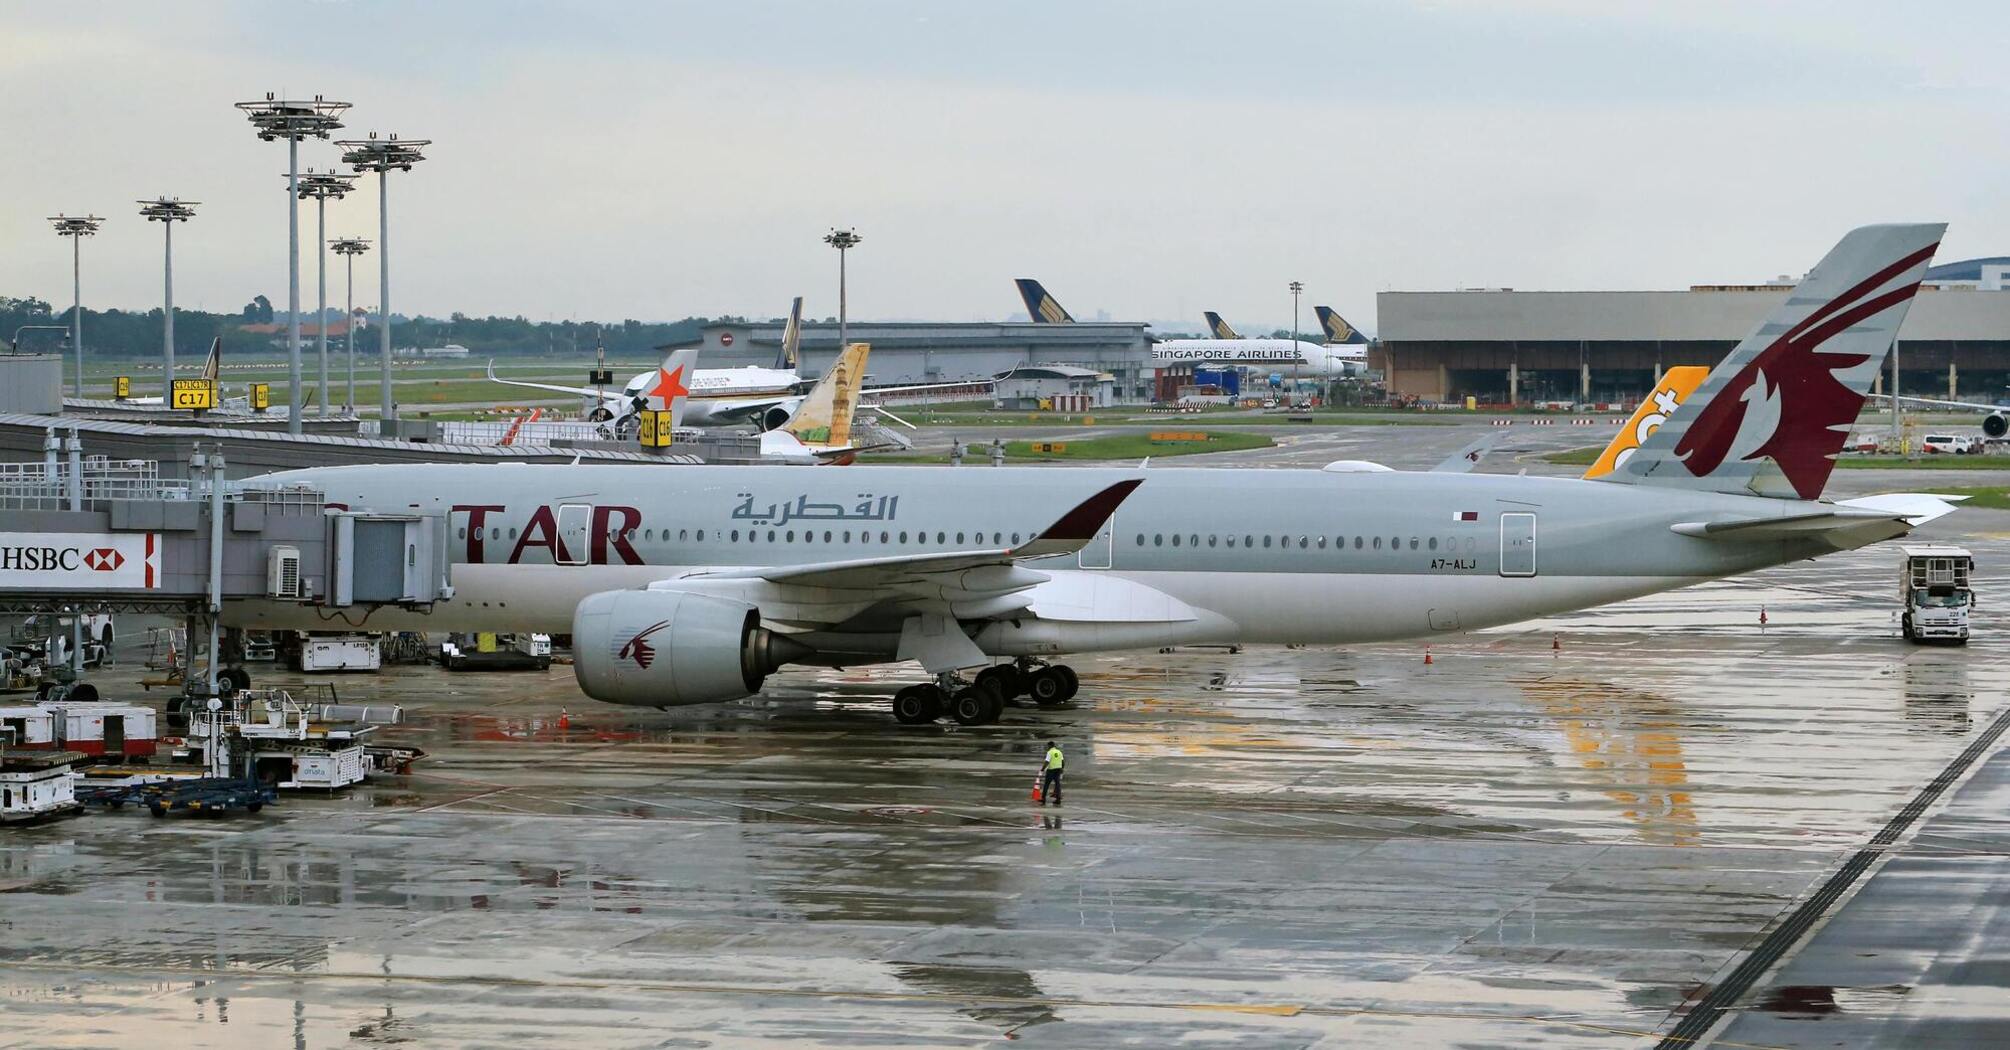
[670,648]
[1996,424]
[777,417]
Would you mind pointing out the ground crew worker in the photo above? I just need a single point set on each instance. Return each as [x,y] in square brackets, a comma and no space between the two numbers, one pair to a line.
[1050,774]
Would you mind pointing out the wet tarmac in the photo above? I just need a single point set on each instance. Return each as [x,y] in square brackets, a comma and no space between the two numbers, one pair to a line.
[1562,834]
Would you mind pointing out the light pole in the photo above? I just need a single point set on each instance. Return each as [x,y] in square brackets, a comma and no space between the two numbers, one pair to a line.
[844,241]
[293,121]
[76,228]
[321,186]
[1296,288]
[167,211]
[349,248]
[380,156]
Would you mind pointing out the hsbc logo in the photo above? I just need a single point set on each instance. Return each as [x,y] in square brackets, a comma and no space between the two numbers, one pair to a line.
[104,559]
[88,561]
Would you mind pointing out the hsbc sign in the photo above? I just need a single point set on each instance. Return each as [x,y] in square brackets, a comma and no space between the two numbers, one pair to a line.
[79,561]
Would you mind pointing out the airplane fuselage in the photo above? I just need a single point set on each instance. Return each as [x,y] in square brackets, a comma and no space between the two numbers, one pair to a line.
[1281,556]
[1325,361]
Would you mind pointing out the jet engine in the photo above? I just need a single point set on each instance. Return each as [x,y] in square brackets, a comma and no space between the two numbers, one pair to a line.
[1996,424]
[777,417]
[671,648]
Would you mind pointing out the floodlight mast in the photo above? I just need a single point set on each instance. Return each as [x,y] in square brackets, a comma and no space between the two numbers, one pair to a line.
[293,120]
[1297,288]
[76,228]
[380,156]
[321,186]
[167,211]
[349,248]
[844,241]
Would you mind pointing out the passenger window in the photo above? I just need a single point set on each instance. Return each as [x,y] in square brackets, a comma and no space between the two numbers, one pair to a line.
[959,539]
[1175,539]
[701,535]
[1141,539]
[1266,541]
[882,538]
[1248,540]
[790,536]
[1413,543]
[941,538]
[463,533]
[1158,539]
[736,535]
[1322,543]
[512,532]
[903,537]
[1395,543]
[682,535]
[827,535]
[1231,540]
[771,535]
[1301,543]
[997,539]
[1210,539]
[847,535]
[1434,543]
[496,534]
[1378,543]
[1357,543]
[1015,538]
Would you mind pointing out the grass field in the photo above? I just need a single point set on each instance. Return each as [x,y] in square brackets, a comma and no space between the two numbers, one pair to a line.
[1992,497]
[1575,457]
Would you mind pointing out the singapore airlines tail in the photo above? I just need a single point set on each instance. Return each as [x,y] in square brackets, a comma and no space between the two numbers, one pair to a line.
[212,366]
[1218,328]
[1675,387]
[1040,306]
[792,338]
[823,422]
[1336,327]
[1771,418]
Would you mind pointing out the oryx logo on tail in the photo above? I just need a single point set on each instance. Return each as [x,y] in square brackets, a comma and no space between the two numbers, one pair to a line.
[638,648]
[1788,403]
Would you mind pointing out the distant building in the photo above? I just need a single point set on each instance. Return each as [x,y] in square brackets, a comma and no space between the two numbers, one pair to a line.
[1504,346]
[942,352]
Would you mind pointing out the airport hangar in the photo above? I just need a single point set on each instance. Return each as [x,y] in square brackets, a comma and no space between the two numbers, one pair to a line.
[1051,359]
[1501,346]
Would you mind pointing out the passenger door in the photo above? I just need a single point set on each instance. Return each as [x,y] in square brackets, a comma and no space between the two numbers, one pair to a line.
[1517,545]
[1097,554]
[574,519]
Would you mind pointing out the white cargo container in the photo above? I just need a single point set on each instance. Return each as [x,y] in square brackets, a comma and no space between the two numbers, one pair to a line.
[345,652]
[36,786]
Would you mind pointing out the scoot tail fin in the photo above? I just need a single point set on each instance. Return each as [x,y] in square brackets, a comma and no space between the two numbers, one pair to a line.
[212,366]
[1218,328]
[1771,418]
[792,337]
[824,418]
[672,385]
[1040,306]
[1336,326]
[1674,388]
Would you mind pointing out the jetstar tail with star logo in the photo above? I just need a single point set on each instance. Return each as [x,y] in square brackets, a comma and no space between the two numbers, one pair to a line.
[672,384]
[1771,418]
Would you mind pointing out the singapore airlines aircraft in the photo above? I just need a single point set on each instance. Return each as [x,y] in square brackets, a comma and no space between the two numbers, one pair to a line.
[689,585]
[1332,361]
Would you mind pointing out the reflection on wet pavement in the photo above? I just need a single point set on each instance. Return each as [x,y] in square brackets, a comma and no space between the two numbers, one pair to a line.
[1514,845]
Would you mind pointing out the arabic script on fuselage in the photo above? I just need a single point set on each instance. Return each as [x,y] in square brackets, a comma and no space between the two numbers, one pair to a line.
[868,508]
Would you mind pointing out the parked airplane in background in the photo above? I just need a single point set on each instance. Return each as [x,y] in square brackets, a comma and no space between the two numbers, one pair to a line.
[1995,422]
[212,368]
[765,397]
[689,585]
[1041,307]
[1219,328]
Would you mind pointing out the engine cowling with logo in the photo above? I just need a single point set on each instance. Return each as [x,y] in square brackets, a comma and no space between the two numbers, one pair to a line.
[671,648]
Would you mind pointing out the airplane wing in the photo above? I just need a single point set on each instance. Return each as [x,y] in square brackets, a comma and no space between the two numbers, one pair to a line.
[581,391]
[934,598]
[1889,515]
[741,411]
[1465,459]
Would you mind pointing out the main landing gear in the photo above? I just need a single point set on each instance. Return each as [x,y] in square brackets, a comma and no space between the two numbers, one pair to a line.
[982,700]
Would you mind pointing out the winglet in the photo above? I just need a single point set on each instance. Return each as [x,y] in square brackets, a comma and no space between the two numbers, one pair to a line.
[1073,531]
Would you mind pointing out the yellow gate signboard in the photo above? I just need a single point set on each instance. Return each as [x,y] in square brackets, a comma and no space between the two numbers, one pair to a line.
[197,394]
[261,396]
[122,387]
[656,430]
[1050,446]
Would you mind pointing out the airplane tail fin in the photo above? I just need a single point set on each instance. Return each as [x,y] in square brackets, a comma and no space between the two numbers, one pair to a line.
[1218,328]
[792,337]
[1771,418]
[212,366]
[1040,306]
[1675,387]
[673,384]
[1336,327]
[824,418]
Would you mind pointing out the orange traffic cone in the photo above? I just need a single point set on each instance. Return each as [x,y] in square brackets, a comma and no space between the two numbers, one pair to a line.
[1427,654]
[564,719]
[1555,643]
[1762,616]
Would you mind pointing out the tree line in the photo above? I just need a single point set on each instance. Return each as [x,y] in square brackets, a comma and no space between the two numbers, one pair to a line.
[137,333]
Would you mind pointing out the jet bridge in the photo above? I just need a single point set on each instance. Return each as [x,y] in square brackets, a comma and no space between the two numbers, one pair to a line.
[81,536]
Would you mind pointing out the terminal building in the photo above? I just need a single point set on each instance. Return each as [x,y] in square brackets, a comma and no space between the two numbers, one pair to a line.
[1052,358]
[1501,346]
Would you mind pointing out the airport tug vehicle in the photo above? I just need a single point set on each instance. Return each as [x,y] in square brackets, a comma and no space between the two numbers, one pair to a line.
[1934,585]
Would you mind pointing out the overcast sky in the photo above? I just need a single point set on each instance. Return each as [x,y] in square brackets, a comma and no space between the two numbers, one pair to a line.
[1148,159]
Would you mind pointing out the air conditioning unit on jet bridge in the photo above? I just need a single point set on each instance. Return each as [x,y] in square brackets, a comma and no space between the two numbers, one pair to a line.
[282,572]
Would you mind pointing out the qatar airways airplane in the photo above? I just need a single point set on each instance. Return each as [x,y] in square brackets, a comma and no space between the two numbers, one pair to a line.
[689,585]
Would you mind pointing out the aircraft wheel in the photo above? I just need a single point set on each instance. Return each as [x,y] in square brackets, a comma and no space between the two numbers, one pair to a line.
[233,679]
[917,705]
[1048,686]
[1006,677]
[994,700]
[1074,681]
[971,706]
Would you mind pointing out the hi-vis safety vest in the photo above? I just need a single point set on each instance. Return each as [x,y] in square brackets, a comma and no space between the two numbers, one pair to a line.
[1053,758]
